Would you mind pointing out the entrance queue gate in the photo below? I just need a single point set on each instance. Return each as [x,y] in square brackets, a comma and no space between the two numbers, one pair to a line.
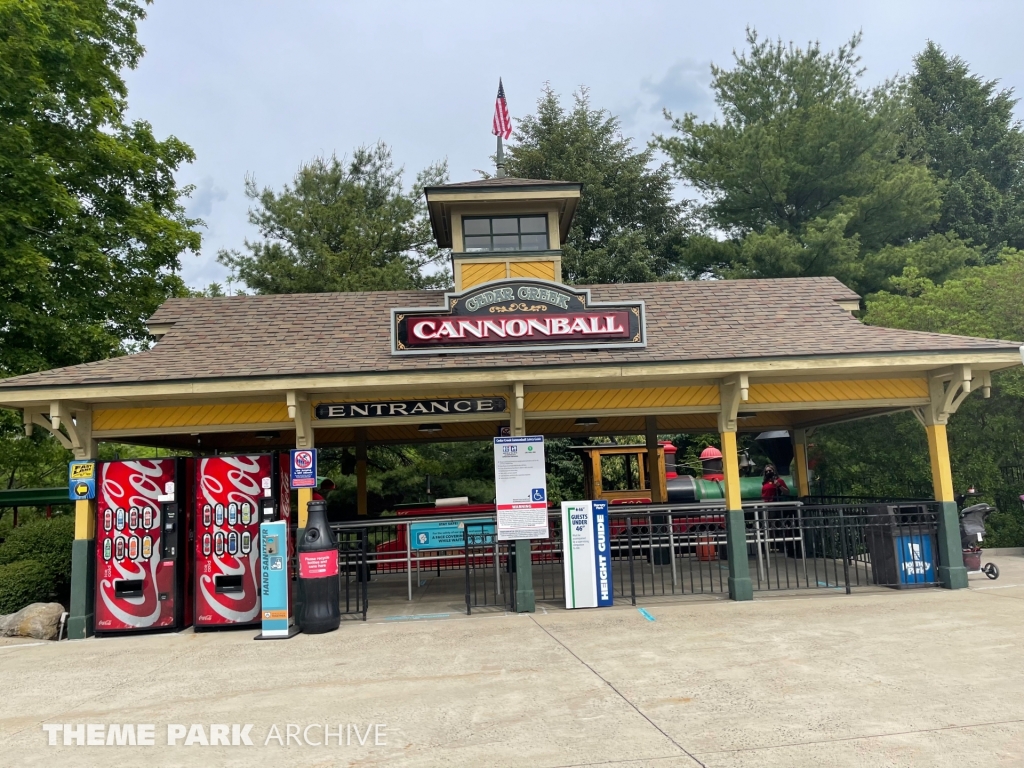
[658,551]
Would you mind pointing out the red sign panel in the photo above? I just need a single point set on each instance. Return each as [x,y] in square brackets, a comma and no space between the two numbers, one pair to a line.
[318,565]
[517,315]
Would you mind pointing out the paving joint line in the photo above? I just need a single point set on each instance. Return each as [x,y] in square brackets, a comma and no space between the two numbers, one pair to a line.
[861,738]
[619,693]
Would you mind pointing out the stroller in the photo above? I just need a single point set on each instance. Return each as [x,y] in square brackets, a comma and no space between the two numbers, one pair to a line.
[972,533]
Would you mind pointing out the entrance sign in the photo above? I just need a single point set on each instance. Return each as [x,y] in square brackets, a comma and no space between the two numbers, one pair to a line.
[508,315]
[587,557]
[303,468]
[414,408]
[520,487]
[450,534]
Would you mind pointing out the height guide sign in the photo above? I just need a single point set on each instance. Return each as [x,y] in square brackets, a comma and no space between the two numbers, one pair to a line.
[520,486]
[587,555]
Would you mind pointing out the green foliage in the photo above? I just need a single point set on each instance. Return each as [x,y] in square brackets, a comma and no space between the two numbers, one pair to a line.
[47,542]
[805,172]
[341,227]
[986,447]
[968,132]
[38,461]
[23,583]
[627,227]
[885,457]
[564,470]
[91,221]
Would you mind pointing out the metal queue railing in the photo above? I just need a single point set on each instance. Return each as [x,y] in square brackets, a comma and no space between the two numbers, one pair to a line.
[661,550]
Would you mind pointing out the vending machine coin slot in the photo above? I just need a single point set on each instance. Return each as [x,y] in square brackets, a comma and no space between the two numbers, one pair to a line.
[128,588]
[227,584]
[169,541]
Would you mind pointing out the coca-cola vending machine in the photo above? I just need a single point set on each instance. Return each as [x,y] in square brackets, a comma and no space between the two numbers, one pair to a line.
[232,494]
[142,555]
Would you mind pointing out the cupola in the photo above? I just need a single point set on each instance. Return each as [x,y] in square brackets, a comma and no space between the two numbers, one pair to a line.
[503,227]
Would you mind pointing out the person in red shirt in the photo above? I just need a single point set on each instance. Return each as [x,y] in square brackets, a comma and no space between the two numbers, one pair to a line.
[326,486]
[773,487]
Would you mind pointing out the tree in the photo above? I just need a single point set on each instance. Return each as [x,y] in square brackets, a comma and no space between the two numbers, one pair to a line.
[986,448]
[627,227]
[91,222]
[967,130]
[341,227]
[806,172]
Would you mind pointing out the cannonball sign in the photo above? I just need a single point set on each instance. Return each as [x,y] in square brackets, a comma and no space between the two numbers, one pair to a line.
[517,315]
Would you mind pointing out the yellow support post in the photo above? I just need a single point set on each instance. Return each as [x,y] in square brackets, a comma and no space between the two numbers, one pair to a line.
[85,519]
[731,470]
[942,473]
[305,496]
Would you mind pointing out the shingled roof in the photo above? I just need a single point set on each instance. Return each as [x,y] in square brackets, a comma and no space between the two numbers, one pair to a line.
[336,333]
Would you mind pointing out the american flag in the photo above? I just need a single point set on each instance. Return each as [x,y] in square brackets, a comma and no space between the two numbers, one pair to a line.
[502,125]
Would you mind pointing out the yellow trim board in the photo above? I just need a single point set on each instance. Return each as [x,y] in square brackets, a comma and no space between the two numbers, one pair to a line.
[838,390]
[109,420]
[615,399]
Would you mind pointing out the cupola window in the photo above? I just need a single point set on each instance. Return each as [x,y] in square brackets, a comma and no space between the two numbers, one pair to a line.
[505,233]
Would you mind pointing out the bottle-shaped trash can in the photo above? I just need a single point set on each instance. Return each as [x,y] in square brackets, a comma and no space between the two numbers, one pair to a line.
[320,609]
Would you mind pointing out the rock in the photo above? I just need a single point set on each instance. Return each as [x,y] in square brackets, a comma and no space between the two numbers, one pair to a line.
[38,620]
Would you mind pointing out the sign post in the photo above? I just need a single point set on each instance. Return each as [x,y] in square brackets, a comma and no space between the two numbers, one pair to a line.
[587,556]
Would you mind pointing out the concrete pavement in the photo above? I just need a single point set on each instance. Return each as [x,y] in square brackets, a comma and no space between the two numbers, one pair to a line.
[915,678]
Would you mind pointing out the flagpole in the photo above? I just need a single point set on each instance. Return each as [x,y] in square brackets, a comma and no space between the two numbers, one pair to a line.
[500,164]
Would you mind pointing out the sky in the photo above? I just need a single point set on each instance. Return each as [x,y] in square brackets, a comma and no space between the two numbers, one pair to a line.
[259,87]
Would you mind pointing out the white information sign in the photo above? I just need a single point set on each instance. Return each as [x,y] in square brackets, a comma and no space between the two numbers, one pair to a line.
[520,487]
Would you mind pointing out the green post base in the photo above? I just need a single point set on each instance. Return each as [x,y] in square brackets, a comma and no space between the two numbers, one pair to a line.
[740,586]
[952,573]
[83,584]
[526,600]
